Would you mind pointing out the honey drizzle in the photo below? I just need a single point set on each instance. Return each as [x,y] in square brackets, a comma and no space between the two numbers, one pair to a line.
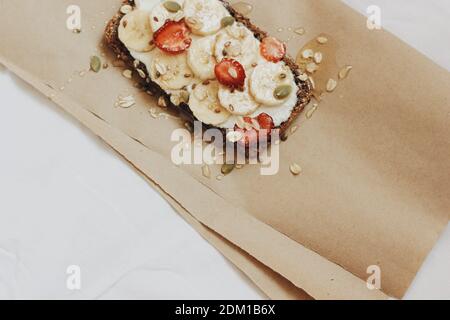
[327,68]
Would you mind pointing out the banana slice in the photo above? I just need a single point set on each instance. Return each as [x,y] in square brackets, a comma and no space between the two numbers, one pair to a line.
[269,77]
[239,43]
[135,31]
[238,102]
[160,14]
[171,72]
[201,59]
[204,103]
[204,17]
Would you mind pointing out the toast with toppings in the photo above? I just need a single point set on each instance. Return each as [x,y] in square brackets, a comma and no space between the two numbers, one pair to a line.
[210,63]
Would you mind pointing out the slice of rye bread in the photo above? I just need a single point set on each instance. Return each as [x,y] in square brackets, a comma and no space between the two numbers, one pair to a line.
[111,37]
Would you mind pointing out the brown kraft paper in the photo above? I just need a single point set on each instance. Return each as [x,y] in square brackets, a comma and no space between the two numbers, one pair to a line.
[375,154]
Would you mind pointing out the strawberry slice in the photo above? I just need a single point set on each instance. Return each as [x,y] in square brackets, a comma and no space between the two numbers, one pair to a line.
[230,73]
[173,37]
[273,49]
[265,122]
[251,135]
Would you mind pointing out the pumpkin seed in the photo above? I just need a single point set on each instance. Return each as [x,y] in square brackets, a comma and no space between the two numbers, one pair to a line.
[227,168]
[126,9]
[96,64]
[172,6]
[282,92]
[227,21]
[344,72]
[295,169]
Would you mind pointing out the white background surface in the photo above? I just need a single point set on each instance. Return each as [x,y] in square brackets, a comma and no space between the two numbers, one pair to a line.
[67,199]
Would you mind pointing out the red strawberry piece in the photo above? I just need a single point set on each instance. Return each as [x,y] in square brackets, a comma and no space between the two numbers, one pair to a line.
[230,73]
[251,135]
[173,37]
[273,49]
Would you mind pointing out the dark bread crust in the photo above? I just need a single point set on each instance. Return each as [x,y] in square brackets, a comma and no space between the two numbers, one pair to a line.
[304,92]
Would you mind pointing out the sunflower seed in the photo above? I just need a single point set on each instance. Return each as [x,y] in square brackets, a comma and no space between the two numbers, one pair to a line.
[311,67]
[127,74]
[303,77]
[141,73]
[154,113]
[126,102]
[160,68]
[331,85]
[300,31]
[308,53]
[322,40]
[162,102]
[313,83]
[344,72]
[294,129]
[318,57]
[311,111]
[295,169]
[194,23]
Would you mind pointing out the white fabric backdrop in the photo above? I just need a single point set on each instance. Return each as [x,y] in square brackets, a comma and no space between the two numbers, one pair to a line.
[67,199]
